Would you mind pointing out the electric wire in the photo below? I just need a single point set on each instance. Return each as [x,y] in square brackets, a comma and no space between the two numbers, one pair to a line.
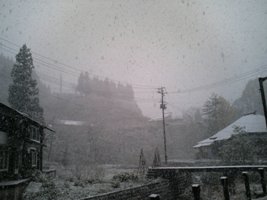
[77,70]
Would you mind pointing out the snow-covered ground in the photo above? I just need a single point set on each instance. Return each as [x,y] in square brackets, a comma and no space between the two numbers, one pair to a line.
[66,186]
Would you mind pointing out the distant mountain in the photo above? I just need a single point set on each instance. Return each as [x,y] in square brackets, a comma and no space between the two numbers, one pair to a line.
[95,129]
[87,85]
[110,117]
[250,99]
[102,123]
[97,110]
[97,100]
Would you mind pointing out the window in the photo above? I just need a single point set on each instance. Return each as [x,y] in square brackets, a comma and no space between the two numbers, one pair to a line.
[34,133]
[33,154]
[3,138]
[3,160]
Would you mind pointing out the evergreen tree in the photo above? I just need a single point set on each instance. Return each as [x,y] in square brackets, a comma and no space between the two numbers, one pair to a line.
[23,91]
[142,163]
[86,86]
[156,160]
[80,85]
[218,113]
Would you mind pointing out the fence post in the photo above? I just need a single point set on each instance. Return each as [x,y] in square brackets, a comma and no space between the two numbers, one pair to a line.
[154,197]
[261,171]
[246,179]
[224,182]
[196,191]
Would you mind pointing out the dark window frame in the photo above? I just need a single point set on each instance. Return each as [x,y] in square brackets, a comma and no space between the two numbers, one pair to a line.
[33,155]
[4,160]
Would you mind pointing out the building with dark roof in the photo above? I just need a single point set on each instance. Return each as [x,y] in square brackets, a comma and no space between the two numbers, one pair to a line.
[21,144]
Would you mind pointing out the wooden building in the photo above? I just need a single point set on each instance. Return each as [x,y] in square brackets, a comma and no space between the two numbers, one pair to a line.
[21,144]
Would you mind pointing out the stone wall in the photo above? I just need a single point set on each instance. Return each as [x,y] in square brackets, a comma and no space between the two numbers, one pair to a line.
[160,186]
[169,187]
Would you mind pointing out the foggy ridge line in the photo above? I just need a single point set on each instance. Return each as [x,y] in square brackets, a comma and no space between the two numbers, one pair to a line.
[78,105]
[43,63]
[204,87]
[78,70]
[51,66]
[71,84]
[208,86]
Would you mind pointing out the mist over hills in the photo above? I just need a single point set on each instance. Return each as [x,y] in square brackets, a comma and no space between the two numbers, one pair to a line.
[102,123]
[94,110]
[103,116]
[94,98]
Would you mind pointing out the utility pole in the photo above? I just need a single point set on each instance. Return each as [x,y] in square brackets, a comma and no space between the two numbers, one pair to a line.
[162,91]
[261,80]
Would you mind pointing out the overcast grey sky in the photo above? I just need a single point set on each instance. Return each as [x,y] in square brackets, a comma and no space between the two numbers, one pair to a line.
[179,44]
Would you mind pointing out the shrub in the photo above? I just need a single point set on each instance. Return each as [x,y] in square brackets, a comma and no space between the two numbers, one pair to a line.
[90,173]
[47,192]
[115,184]
[124,177]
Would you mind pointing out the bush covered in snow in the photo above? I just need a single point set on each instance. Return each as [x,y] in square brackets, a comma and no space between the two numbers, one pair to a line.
[126,176]
[69,184]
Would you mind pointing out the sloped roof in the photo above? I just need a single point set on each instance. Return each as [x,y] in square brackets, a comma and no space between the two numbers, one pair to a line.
[251,123]
[12,112]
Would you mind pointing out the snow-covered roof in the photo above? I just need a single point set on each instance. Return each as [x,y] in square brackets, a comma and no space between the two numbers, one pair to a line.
[71,122]
[251,123]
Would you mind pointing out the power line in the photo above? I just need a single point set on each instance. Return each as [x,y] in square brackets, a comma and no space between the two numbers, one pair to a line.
[223,82]
[70,85]
[53,67]
[42,60]
[135,86]
[142,88]
[70,67]
[56,81]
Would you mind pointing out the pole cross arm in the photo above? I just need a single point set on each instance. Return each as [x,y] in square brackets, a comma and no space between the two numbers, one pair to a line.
[261,79]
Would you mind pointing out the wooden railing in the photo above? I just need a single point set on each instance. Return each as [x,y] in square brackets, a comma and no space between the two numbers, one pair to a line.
[170,172]
[225,186]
